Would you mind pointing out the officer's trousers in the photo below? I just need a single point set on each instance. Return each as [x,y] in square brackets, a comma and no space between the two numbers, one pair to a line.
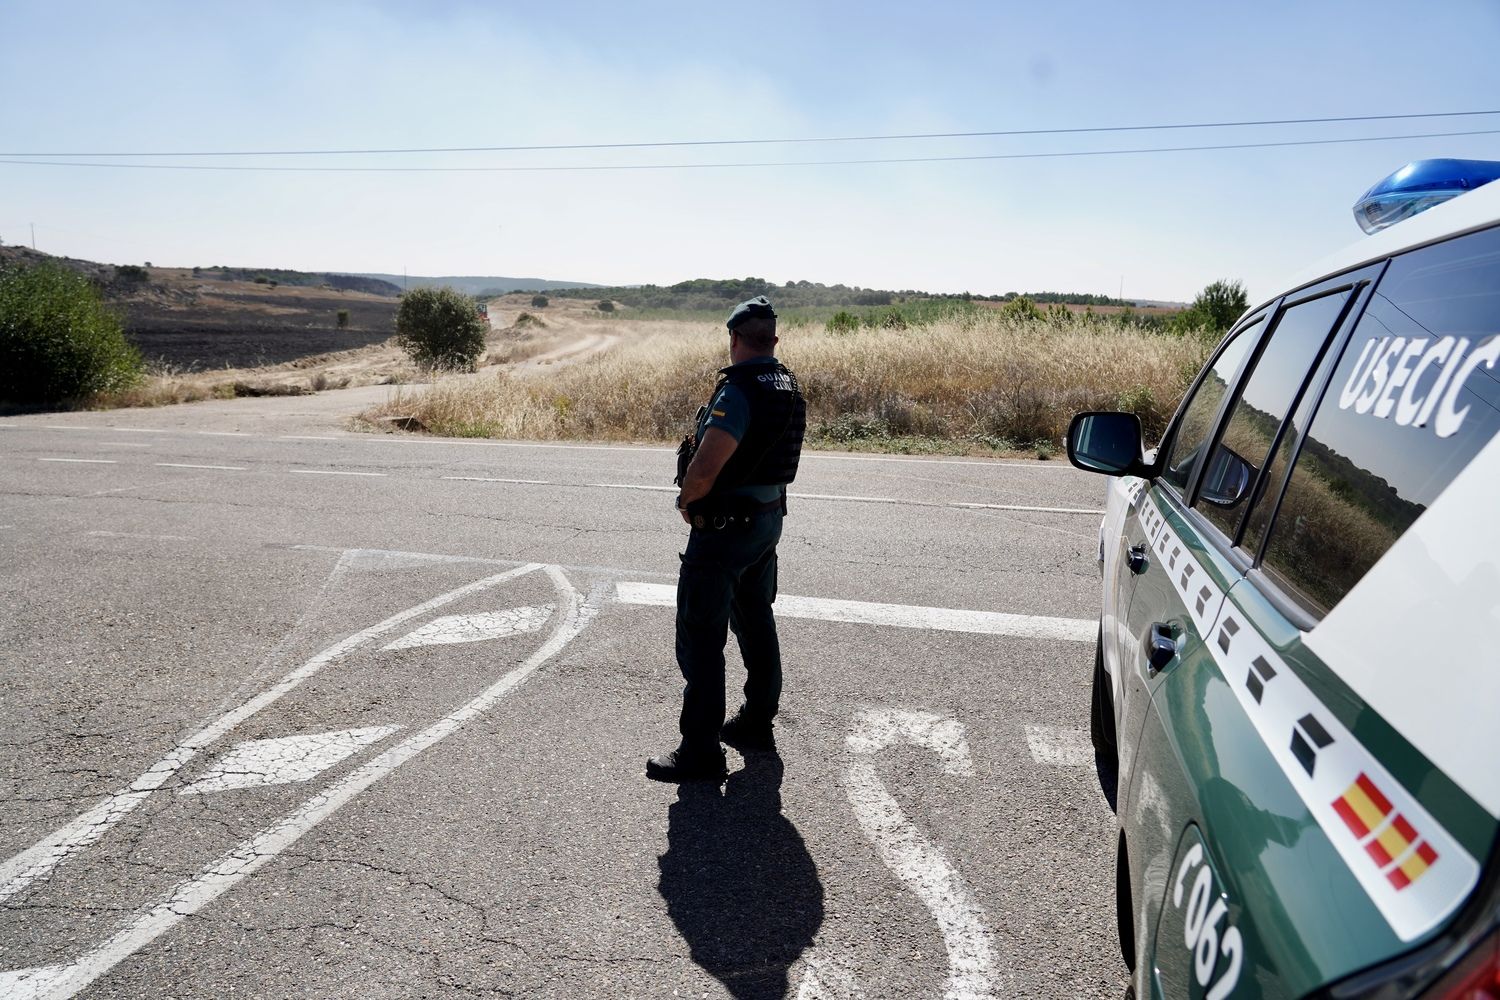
[727,581]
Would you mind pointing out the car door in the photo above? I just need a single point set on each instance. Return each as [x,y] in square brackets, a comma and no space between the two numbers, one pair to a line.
[1220,464]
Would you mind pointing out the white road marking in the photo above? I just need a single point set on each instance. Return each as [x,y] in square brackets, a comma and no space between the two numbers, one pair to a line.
[893,615]
[335,472]
[305,437]
[82,461]
[827,979]
[24,984]
[476,628]
[631,486]
[127,444]
[487,479]
[184,465]
[39,860]
[856,499]
[133,534]
[284,760]
[1040,510]
[151,922]
[226,434]
[914,859]
[1056,745]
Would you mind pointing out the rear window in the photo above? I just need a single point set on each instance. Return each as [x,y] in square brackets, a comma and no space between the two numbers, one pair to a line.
[1416,394]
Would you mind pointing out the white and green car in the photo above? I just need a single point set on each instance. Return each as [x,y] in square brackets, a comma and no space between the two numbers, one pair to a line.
[1297,697]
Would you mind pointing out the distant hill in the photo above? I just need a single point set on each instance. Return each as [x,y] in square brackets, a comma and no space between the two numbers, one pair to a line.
[476,284]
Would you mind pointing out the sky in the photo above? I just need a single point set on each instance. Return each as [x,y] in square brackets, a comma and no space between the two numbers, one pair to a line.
[168,77]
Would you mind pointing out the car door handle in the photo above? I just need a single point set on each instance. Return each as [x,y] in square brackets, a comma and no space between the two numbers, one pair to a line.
[1162,648]
[1136,559]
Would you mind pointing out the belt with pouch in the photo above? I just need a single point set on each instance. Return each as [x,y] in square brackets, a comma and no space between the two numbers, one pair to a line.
[719,513]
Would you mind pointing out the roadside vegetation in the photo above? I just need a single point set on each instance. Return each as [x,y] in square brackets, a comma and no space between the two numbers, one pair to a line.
[59,342]
[971,381]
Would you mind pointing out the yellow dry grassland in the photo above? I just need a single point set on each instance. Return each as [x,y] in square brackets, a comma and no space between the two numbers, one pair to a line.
[979,383]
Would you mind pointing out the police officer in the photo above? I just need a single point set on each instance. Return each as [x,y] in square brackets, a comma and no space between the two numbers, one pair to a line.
[745,450]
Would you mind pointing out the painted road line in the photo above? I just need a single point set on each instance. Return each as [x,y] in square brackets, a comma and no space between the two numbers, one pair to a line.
[893,615]
[226,434]
[39,860]
[284,760]
[488,479]
[631,486]
[151,922]
[858,499]
[126,444]
[305,437]
[81,461]
[1066,747]
[915,860]
[1039,510]
[336,472]
[185,465]
[149,538]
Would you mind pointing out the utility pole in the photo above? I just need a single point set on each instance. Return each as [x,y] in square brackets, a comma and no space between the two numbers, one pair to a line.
[33,236]
[403,277]
[1121,296]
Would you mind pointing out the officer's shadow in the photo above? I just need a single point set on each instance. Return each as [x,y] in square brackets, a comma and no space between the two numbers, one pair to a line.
[739,882]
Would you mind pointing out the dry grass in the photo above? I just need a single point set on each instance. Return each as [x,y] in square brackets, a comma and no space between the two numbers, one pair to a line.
[986,382]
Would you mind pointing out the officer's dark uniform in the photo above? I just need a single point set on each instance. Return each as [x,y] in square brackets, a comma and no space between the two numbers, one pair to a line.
[728,574]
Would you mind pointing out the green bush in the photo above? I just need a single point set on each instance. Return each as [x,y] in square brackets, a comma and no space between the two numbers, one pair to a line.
[343,318]
[58,341]
[440,329]
[131,273]
[539,302]
[842,321]
[1215,309]
[1021,308]
[605,306]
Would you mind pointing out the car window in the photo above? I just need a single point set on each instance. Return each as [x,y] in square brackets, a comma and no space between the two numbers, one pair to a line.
[1196,422]
[1416,394]
[1263,404]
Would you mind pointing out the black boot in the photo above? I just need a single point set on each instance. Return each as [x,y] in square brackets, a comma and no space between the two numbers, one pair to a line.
[745,731]
[681,765]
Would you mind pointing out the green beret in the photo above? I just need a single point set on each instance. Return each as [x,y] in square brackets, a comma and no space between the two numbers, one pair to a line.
[756,308]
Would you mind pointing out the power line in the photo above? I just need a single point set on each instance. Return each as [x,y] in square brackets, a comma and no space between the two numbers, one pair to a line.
[559,168]
[782,141]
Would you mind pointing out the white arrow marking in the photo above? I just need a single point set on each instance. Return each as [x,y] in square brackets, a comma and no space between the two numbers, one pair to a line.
[914,859]
[286,759]
[152,921]
[893,615]
[1054,745]
[39,860]
[477,627]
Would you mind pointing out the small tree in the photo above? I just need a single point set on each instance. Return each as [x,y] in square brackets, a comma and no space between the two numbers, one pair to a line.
[1215,309]
[539,301]
[343,319]
[1021,308]
[605,306]
[57,340]
[439,328]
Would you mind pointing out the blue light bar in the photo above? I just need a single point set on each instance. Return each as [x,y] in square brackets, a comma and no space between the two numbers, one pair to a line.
[1417,187]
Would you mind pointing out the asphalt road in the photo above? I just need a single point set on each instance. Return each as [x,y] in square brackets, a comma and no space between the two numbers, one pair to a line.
[289,712]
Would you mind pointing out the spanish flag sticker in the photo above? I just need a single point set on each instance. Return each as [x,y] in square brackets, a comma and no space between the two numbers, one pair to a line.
[718,413]
[1387,836]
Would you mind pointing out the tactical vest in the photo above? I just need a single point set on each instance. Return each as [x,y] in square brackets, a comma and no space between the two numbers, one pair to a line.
[768,453]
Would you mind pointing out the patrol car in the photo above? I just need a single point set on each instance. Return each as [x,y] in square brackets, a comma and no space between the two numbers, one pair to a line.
[1296,707]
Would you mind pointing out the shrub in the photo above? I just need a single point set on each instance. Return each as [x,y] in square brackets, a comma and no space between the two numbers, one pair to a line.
[132,273]
[1214,310]
[539,301]
[57,340]
[1020,308]
[842,321]
[605,306]
[439,328]
[526,319]
[343,318]
[261,279]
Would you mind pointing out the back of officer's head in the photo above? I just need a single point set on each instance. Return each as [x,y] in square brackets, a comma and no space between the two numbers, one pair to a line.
[754,322]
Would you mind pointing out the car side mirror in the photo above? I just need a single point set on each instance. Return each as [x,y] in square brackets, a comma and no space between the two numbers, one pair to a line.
[1107,443]
[1227,479]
